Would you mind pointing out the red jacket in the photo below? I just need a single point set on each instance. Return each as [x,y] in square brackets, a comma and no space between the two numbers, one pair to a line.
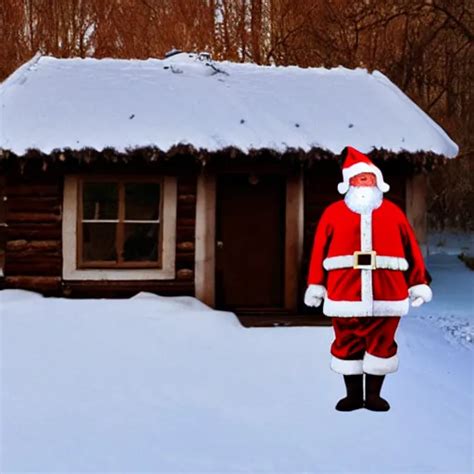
[389,244]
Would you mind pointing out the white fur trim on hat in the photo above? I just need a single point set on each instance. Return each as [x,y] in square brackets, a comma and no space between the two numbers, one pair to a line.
[379,365]
[361,167]
[420,291]
[346,367]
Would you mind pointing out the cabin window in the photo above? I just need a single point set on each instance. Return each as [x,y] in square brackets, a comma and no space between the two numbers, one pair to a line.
[119,223]
[123,228]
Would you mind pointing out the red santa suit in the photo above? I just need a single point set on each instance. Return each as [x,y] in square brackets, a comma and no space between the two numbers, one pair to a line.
[365,264]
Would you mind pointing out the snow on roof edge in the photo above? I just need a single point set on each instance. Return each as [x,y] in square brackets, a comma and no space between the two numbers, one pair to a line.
[15,77]
[153,152]
[19,73]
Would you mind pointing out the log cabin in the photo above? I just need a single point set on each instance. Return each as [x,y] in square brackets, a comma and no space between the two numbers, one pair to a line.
[186,176]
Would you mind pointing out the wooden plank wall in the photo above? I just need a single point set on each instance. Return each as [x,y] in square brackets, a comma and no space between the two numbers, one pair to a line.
[33,248]
[34,242]
[186,230]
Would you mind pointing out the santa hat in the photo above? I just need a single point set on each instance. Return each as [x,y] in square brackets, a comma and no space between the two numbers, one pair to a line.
[355,163]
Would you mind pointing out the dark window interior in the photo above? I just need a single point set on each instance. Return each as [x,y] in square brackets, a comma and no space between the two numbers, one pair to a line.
[119,222]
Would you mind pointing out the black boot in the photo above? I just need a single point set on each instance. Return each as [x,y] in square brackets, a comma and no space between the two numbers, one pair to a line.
[355,395]
[373,400]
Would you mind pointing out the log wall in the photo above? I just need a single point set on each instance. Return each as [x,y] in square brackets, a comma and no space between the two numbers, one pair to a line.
[33,236]
[33,258]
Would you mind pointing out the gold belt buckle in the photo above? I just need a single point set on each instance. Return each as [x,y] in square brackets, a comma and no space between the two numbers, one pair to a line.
[365,260]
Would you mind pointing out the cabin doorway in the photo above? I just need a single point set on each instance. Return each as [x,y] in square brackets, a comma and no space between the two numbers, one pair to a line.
[250,242]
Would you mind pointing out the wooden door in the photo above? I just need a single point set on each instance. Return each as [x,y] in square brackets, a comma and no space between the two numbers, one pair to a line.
[250,240]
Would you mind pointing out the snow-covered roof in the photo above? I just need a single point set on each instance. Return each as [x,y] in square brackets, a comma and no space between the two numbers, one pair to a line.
[51,103]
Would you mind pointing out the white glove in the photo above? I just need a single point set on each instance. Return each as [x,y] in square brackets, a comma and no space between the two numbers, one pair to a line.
[420,294]
[314,295]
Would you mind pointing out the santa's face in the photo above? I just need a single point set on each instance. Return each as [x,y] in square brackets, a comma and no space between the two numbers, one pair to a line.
[363,179]
[363,195]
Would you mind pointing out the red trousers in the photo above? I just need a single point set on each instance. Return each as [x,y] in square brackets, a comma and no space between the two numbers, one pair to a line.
[365,344]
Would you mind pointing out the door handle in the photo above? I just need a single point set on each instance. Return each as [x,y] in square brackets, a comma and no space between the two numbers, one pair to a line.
[220,244]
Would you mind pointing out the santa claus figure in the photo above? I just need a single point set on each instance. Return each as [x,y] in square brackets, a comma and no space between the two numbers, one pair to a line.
[367,267]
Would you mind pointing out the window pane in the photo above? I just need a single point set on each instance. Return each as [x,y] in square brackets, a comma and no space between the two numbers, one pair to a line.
[142,201]
[141,243]
[100,200]
[99,242]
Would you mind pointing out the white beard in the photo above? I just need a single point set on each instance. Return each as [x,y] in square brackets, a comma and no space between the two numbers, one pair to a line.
[363,199]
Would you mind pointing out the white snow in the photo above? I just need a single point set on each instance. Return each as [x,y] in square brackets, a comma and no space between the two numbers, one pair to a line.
[161,384]
[51,103]
[451,242]
[454,311]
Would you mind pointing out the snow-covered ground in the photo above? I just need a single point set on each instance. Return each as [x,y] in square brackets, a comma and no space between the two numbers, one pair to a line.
[156,384]
[451,242]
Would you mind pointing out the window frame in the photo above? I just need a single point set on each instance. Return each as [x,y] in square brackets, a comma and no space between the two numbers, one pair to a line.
[73,269]
[120,222]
